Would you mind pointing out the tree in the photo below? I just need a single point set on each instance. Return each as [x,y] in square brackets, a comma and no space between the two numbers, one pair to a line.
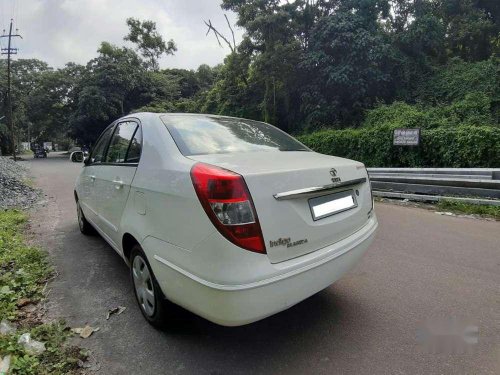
[149,42]
[473,29]
[26,77]
[349,65]
[104,92]
[51,103]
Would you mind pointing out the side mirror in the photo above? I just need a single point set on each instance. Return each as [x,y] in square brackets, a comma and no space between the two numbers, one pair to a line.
[76,157]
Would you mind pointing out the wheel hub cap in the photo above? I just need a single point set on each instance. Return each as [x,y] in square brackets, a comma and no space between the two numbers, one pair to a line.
[143,284]
[80,216]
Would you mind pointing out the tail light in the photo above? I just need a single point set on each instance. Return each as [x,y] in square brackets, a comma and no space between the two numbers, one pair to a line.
[371,193]
[226,200]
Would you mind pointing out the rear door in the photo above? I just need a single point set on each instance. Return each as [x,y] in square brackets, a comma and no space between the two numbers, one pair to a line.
[116,175]
[87,195]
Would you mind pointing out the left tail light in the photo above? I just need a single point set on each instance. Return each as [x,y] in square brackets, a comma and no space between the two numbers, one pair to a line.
[225,198]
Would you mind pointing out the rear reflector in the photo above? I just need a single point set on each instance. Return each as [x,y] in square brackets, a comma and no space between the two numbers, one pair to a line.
[225,198]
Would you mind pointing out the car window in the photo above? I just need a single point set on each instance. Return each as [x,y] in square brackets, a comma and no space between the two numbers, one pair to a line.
[196,135]
[134,150]
[97,155]
[120,142]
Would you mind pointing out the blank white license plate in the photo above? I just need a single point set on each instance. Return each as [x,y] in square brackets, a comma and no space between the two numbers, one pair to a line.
[331,204]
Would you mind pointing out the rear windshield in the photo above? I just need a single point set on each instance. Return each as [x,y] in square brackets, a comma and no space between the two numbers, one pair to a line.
[200,135]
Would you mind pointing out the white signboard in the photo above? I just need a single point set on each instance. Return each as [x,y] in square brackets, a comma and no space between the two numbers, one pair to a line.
[406,137]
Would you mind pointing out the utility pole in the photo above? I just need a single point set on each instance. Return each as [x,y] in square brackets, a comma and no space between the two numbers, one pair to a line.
[10,51]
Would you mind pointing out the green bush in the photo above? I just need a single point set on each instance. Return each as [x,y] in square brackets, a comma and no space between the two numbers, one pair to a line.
[456,147]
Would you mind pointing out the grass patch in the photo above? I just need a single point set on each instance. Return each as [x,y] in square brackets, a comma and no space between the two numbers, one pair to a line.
[24,271]
[469,209]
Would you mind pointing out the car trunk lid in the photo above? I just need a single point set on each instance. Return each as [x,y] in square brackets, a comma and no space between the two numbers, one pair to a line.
[282,184]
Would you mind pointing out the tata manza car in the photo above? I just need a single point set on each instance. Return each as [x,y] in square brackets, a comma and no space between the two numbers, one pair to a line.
[231,219]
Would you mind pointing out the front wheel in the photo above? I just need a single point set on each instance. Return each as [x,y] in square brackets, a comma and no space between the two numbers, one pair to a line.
[85,227]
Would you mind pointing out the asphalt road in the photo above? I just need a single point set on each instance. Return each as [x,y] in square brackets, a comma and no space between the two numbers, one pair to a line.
[421,266]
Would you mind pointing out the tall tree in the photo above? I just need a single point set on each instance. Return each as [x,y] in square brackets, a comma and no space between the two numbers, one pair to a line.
[472,26]
[104,92]
[350,66]
[150,43]
[51,103]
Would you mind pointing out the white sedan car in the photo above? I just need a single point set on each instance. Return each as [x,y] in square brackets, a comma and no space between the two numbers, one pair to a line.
[232,219]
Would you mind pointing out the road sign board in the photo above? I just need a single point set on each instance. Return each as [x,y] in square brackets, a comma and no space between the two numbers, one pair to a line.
[406,137]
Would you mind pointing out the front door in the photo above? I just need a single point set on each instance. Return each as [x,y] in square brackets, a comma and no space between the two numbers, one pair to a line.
[88,195]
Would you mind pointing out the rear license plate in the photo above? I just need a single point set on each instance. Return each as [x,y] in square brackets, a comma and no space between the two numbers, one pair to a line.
[332,204]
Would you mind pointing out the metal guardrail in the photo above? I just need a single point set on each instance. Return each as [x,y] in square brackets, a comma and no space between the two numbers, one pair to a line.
[431,184]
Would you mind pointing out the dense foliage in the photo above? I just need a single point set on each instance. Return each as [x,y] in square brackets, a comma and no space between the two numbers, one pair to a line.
[453,147]
[303,65]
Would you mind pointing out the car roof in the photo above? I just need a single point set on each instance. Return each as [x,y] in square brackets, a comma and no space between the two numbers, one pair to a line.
[182,114]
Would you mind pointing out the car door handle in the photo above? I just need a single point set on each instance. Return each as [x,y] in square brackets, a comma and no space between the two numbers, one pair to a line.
[118,184]
[92,178]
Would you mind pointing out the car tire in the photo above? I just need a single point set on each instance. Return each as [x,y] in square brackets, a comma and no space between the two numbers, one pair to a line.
[85,227]
[156,309]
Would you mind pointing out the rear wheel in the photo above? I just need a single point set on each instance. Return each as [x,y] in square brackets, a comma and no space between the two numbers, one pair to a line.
[85,227]
[154,307]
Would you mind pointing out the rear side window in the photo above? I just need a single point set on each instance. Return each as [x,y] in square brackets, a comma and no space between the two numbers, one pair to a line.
[198,135]
[134,150]
[125,144]
[97,155]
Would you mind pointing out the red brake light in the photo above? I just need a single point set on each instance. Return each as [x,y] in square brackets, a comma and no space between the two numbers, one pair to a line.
[226,200]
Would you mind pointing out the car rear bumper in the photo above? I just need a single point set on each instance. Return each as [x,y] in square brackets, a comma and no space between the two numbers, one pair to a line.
[234,305]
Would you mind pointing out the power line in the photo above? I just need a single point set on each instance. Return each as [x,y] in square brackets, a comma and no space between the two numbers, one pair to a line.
[10,51]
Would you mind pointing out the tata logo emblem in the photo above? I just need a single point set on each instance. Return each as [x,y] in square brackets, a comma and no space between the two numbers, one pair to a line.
[333,173]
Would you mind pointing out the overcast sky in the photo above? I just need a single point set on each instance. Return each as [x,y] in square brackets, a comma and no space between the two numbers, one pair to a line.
[58,31]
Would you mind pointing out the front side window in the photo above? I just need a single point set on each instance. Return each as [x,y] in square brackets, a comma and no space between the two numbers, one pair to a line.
[97,155]
[199,135]
[124,146]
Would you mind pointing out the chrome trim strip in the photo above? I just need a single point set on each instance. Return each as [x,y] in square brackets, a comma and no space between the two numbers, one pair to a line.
[301,193]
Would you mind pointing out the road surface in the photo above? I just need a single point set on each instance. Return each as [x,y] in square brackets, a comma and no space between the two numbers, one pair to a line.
[421,266]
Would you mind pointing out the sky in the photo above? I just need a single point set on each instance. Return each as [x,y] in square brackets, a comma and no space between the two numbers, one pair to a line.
[59,31]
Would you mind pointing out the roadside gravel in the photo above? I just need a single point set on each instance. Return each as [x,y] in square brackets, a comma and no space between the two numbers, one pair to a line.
[15,189]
